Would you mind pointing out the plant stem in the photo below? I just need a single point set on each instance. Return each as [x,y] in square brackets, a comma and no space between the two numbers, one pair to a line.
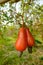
[30,49]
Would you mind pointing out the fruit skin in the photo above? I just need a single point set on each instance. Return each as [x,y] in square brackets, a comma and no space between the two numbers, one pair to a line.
[21,43]
[30,38]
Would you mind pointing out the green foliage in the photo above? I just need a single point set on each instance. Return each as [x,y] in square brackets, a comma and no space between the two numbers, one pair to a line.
[10,21]
[41,58]
[37,41]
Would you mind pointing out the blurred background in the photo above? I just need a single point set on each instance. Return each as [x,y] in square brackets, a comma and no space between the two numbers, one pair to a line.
[11,14]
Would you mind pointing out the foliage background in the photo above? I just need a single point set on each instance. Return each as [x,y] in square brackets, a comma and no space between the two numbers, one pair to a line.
[31,12]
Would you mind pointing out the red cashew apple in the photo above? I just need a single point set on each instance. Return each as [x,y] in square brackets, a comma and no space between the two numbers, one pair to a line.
[21,43]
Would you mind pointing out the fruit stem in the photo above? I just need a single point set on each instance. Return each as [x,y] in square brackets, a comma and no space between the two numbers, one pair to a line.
[30,49]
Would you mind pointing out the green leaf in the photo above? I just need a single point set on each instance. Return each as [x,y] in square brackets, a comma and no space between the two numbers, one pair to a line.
[37,41]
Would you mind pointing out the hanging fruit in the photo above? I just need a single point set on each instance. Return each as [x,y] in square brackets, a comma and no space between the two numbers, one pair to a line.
[25,39]
[30,38]
[21,43]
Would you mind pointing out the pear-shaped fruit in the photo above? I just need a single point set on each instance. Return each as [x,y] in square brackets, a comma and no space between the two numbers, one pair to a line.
[30,38]
[21,43]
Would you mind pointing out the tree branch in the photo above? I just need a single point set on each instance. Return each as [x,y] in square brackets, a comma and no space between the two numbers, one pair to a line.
[4,1]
